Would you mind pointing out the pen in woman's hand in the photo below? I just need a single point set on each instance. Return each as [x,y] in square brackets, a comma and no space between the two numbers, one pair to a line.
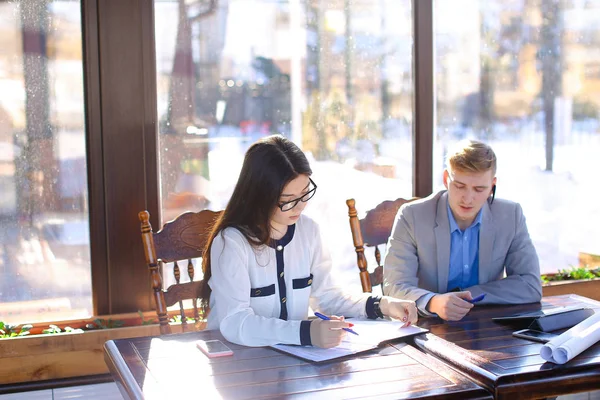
[326,318]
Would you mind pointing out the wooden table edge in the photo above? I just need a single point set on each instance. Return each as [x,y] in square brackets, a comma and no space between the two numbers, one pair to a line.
[121,373]
[471,371]
[432,362]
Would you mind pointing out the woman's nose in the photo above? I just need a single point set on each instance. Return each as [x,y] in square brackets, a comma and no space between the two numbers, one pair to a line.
[301,205]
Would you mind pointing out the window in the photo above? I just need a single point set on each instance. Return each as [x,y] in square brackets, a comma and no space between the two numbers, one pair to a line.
[44,230]
[334,77]
[505,68]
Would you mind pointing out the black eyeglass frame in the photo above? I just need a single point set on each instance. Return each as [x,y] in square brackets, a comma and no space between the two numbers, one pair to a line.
[310,195]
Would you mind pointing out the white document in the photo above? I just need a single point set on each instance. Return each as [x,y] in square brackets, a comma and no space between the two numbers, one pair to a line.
[370,334]
[574,341]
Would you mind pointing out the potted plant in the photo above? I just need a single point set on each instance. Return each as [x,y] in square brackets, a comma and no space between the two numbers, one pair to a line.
[68,349]
[584,281]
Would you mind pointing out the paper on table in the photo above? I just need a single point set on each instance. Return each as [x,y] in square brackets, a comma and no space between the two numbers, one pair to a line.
[574,341]
[370,334]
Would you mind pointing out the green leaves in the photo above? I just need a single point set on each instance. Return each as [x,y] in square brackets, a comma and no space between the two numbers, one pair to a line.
[145,321]
[575,273]
[8,330]
[177,319]
[53,329]
[100,323]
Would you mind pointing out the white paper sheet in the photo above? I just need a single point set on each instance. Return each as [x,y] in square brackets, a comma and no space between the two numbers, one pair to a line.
[370,334]
[563,348]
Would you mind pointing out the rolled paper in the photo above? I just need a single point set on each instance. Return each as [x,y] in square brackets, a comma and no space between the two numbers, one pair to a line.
[573,342]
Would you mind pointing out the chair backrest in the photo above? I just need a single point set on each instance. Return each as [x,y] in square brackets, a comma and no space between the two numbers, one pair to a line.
[372,231]
[183,238]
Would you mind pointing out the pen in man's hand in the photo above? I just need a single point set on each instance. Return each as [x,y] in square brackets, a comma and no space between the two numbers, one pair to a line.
[326,318]
[476,299]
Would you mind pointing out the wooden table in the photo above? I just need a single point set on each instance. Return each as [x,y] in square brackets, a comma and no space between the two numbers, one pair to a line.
[510,367]
[170,366]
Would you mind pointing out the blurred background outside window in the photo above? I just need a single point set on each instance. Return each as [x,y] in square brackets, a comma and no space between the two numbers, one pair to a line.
[336,77]
[44,231]
[524,76]
[333,76]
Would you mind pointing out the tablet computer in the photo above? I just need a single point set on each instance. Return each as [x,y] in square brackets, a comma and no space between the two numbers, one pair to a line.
[539,313]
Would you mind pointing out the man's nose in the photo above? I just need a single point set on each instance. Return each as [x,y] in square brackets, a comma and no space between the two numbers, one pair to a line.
[468,197]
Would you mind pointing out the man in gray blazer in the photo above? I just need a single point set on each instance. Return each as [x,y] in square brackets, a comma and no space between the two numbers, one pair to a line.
[460,243]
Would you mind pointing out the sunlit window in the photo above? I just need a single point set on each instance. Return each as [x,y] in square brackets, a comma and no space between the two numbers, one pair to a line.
[44,230]
[523,77]
[335,77]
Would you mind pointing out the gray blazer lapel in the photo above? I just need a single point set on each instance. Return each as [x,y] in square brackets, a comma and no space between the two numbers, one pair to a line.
[487,234]
[442,238]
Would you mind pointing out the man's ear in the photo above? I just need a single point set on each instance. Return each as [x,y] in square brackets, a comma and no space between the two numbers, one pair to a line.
[445,178]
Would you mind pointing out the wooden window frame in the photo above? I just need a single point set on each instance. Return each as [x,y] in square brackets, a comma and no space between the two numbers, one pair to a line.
[121,120]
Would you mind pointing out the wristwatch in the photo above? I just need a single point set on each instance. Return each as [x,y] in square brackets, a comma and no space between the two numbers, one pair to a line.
[376,308]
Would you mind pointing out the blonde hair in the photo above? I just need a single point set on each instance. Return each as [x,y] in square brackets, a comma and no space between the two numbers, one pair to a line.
[472,156]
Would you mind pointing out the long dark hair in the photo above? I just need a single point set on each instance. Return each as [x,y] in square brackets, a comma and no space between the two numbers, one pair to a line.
[269,165]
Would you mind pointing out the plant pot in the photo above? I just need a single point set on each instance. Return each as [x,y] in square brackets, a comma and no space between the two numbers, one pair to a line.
[63,355]
[588,288]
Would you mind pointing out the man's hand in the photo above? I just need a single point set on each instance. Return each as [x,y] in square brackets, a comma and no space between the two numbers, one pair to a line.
[404,310]
[450,306]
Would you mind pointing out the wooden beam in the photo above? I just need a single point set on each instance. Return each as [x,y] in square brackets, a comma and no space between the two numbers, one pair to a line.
[128,90]
[424,106]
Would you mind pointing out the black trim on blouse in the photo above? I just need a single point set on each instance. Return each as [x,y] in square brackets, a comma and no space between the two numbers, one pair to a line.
[285,239]
[302,283]
[279,246]
[305,333]
[263,291]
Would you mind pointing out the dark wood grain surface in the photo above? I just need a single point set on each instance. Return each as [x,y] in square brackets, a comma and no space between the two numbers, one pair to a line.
[510,367]
[170,366]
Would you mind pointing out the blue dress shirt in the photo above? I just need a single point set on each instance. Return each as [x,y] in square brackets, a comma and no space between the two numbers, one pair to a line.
[463,271]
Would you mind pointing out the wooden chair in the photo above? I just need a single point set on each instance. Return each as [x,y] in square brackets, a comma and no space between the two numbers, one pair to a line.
[371,231]
[183,238]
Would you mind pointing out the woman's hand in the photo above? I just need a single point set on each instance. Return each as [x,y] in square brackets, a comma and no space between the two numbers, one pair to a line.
[328,334]
[404,310]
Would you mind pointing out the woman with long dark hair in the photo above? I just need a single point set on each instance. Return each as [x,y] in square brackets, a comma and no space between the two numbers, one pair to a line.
[264,262]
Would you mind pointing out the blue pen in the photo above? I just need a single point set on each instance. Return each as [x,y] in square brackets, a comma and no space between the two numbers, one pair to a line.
[326,318]
[476,299]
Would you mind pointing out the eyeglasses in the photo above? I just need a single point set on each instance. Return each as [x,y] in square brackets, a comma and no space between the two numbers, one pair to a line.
[288,205]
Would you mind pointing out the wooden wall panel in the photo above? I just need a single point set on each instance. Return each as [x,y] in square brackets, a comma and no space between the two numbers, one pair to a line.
[127,86]
[424,105]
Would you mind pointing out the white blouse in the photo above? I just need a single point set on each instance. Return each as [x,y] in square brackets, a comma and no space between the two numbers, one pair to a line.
[260,296]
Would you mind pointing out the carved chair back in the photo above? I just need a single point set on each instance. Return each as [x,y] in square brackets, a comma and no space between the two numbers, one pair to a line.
[372,231]
[178,242]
